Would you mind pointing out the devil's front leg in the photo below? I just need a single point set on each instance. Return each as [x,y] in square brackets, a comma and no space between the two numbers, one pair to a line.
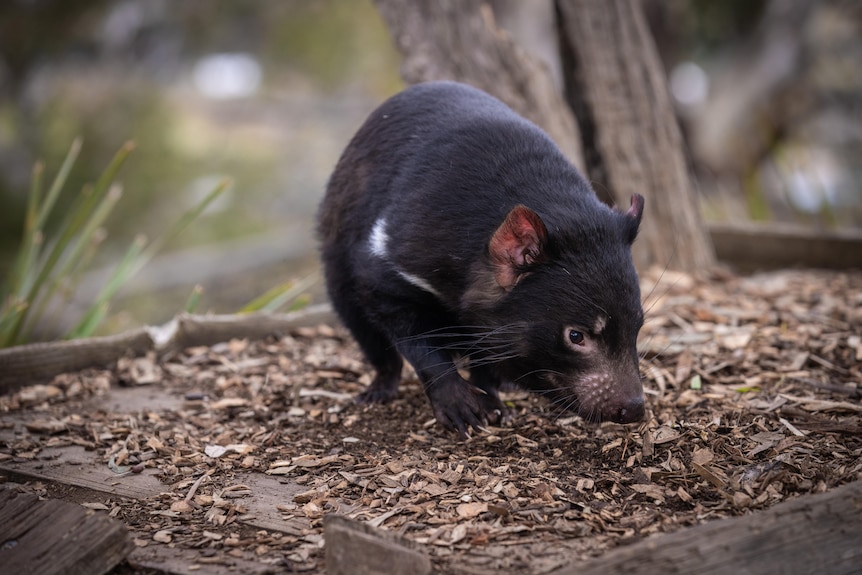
[483,377]
[457,403]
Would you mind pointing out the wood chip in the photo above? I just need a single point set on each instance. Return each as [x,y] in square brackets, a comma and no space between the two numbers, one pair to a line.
[753,388]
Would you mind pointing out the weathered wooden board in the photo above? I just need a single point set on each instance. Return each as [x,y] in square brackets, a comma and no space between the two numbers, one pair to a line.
[76,467]
[355,548]
[773,246]
[188,562]
[813,534]
[47,537]
[267,495]
[73,465]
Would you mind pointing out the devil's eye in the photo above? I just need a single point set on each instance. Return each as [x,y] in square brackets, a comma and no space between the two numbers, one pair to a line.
[576,337]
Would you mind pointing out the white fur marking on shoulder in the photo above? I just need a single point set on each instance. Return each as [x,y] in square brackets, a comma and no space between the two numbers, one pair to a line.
[378,239]
[420,283]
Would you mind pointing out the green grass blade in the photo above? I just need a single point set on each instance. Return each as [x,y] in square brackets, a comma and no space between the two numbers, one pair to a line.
[188,217]
[30,240]
[65,285]
[68,287]
[88,199]
[47,270]
[36,216]
[35,199]
[12,310]
[261,301]
[27,276]
[121,274]
[91,321]
[80,213]
[73,256]
[276,297]
[137,256]
[71,259]
[110,173]
[28,235]
[194,299]
[58,183]
[76,272]
[299,302]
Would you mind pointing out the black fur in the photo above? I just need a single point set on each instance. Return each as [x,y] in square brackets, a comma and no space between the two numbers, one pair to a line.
[445,166]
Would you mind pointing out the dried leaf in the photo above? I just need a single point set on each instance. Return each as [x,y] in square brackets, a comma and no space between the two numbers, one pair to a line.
[471,510]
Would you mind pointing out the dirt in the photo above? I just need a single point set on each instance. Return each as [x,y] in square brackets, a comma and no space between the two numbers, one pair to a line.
[753,397]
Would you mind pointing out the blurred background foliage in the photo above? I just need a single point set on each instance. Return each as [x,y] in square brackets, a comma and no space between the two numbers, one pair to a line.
[268,93]
[264,92]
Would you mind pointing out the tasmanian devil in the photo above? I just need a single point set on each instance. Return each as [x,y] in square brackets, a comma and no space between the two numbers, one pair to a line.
[455,231]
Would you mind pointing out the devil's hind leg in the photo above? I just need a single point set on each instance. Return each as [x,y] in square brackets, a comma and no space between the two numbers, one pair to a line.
[377,346]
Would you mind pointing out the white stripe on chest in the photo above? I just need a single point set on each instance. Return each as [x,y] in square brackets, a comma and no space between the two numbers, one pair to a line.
[378,244]
[420,283]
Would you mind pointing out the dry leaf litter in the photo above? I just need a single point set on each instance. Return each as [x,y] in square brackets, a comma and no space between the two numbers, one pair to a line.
[753,390]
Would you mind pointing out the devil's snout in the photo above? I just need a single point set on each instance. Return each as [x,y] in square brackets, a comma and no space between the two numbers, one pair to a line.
[631,411]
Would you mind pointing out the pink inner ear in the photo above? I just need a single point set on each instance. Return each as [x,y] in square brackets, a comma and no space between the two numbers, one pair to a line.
[518,242]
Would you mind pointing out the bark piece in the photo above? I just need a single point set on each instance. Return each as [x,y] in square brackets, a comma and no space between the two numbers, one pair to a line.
[617,88]
[353,548]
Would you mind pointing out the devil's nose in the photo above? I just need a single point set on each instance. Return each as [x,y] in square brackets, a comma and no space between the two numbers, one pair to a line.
[632,411]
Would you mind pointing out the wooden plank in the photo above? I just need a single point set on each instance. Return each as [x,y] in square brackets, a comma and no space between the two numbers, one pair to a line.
[262,513]
[813,534]
[772,246]
[55,537]
[74,465]
[267,493]
[190,562]
[355,548]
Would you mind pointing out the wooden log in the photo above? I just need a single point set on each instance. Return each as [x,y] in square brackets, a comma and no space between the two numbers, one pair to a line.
[36,362]
[813,534]
[355,548]
[32,363]
[752,246]
[54,537]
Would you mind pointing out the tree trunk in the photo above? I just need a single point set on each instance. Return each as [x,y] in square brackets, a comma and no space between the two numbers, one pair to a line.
[617,89]
[459,40]
[627,139]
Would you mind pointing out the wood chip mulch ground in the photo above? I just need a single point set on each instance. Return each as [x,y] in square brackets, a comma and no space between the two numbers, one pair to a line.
[754,394]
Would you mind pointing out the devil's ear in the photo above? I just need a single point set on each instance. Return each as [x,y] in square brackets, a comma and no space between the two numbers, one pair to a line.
[633,216]
[519,242]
